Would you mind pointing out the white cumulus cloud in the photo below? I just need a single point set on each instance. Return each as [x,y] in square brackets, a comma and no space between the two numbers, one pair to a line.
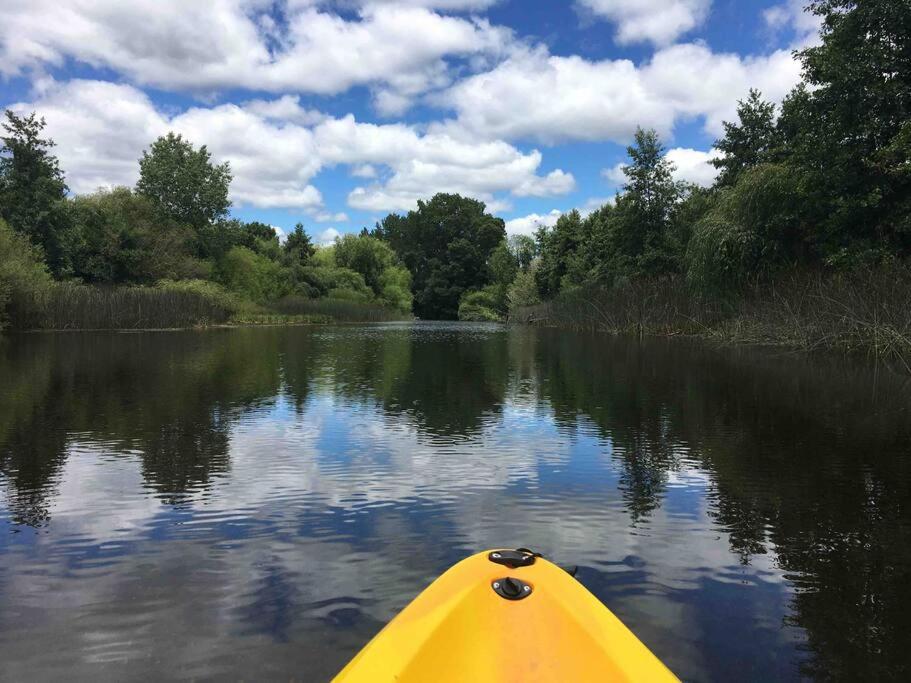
[656,21]
[102,128]
[327,236]
[220,44]
[528,225]
[535,95]
[690,165]
[325,217]
[693,165]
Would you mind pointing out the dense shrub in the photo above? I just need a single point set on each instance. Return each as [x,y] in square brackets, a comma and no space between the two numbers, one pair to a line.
[23,276]
[120,237]
[326,280]
[244,271]
[481,305]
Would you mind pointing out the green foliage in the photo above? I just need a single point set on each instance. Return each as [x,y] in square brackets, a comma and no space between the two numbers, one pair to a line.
[23,275]
[445,244]
[72,306]
[523,291]
[324,257]
[340,283]
[480,306]
[119,238]
[298,248]
[857,101]
[641,239]
[32,189]
[524,249]
[244,271]
[751,141]
[503,265]
[557,246]
[184,182]
[395,289]
[753,229]
[366,255]
[639,235]
[214,293]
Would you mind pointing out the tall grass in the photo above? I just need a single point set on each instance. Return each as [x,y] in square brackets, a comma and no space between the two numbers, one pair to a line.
[339,310]
[655,306]
[866,310]
[66,306]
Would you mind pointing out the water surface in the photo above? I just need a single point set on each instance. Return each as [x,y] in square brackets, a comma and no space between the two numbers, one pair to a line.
[256,503]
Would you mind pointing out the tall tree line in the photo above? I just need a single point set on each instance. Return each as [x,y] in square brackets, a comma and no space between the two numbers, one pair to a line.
[824,180]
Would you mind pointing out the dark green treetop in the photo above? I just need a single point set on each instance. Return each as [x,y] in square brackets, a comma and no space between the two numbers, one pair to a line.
[749,142]
[445,243]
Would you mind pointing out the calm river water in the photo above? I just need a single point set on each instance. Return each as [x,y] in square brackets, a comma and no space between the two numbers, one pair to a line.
[256,503]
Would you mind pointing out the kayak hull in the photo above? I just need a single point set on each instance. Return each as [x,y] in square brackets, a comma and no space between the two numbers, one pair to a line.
[461,629]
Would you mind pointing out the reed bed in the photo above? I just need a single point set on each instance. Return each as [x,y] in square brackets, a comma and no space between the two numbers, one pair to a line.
[81,307]
[339,310]
[862,311]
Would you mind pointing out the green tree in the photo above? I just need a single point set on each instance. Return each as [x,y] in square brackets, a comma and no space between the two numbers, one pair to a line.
[641,235]
[751,141]
[857,101]
[298,246]
[32,188]
[120,238]
[523,292]
[184,182]
[503,265]
[23,275]
[557,246]
[480,306]
[395,288]
[525,249]
[375,260]
[366,255]
[752,230]
[445,244]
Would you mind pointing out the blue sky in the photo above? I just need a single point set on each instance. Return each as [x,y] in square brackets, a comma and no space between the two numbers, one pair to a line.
[336,112]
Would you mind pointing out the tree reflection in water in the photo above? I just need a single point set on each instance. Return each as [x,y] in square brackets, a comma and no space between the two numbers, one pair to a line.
[426,432]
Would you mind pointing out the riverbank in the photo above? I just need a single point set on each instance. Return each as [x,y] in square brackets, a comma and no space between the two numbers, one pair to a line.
[174,305]
[865,311]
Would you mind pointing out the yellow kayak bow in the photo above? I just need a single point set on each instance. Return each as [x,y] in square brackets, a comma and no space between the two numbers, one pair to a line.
[505,615]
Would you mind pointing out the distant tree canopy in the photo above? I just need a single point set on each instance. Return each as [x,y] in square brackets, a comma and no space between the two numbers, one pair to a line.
[184,182]
[171,231]
[445,244]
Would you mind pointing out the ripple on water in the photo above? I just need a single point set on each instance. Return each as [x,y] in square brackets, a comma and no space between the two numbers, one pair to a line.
[256,504]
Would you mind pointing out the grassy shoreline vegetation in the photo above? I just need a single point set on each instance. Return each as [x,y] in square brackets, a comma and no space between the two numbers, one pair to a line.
[864,311]
[803,240]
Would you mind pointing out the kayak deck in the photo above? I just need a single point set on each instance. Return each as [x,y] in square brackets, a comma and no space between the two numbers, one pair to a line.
[469,625]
